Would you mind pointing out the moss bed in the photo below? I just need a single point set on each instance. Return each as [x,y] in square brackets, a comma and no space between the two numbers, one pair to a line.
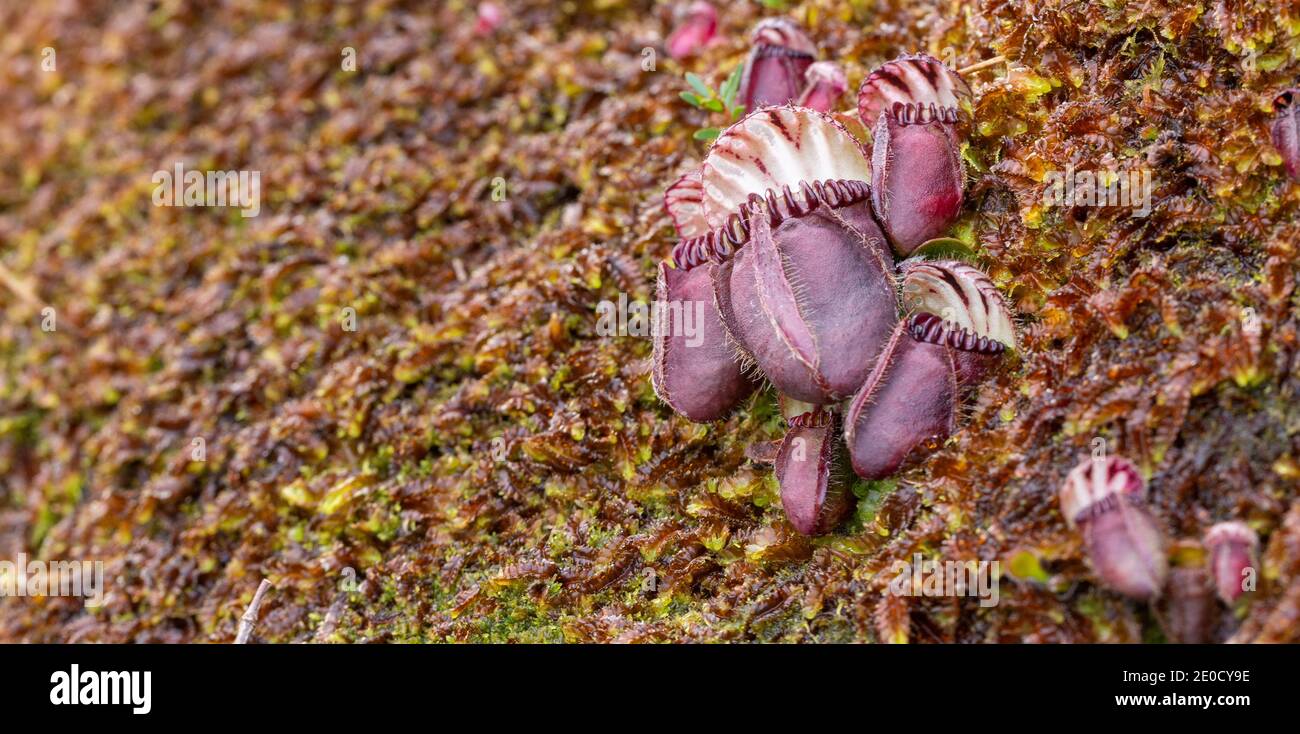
[472,462]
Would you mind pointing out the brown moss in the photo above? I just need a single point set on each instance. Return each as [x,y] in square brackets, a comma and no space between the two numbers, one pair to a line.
[473,455]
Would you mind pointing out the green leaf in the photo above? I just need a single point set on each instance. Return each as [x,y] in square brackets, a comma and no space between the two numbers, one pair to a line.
[708,133]
[945,248]
[731,86]
[698,84]
[692,99]
[714,105]
[738,112]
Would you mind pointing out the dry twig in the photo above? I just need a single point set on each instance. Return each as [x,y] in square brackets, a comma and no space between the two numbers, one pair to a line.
[986,63]
[249,620]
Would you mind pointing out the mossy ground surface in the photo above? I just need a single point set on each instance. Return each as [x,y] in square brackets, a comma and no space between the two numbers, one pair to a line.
[473,462]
